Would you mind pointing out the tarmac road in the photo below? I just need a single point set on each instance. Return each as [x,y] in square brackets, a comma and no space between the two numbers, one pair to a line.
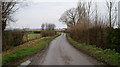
[60,52]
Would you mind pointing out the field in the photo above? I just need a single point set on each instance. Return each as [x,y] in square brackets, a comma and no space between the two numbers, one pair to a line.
[31,36]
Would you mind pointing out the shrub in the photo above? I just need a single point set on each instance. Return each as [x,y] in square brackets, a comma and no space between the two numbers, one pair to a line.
[11,38]
[48,33]
[103,37]
[37,32]
[113,39]
[111,57]
[94,36]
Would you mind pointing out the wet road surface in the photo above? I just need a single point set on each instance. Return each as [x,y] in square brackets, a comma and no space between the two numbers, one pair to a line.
[60,52]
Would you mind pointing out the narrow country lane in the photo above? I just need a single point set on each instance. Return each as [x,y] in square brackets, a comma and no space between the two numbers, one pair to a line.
[60,52]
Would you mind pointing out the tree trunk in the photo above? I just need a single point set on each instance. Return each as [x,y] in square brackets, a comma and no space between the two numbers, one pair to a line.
[3,26]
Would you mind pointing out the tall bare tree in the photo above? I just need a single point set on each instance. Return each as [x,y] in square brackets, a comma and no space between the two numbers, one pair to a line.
[43,26]
[96,14]
[88,8]
[110,5]
[82,13]
[51,26]
[48,26]
[8,8]
[69,17]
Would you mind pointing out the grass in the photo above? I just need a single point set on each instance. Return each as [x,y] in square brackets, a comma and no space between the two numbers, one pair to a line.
[26,49]
[108,56]
[31,36]
[0,59]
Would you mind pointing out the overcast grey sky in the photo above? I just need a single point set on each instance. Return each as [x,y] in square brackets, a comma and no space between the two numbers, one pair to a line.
[35,14]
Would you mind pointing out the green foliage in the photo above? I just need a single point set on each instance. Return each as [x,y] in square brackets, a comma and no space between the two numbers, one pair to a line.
[109,56]
[19,53]
[114,39]
[0,59]
[22,52]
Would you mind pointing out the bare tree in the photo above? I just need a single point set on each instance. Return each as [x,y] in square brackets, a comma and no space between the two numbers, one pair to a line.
[69,17]
[114,18]
[51,26]
[8,8]
[48,26]
[88,8]
[82,14]
[110,5]
[96,14]
[64,19]
[43,26]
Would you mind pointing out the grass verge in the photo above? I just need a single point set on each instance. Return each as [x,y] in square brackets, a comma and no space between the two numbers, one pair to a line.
[26,49]
[31,36]
[107,56]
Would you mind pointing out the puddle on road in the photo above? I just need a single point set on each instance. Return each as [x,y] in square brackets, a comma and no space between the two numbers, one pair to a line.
[24,64]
